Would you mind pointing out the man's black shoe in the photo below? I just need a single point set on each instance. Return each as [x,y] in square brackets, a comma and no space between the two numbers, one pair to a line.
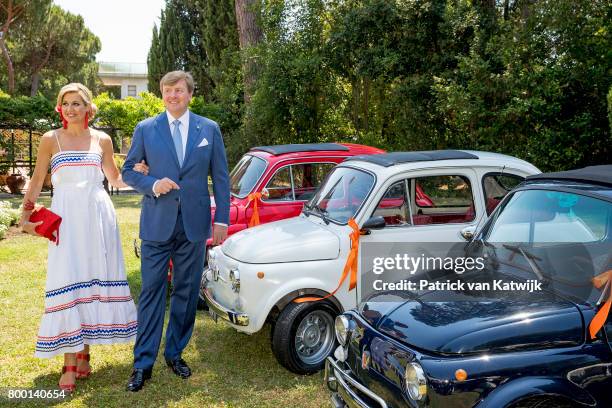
[179,367]
[137,378]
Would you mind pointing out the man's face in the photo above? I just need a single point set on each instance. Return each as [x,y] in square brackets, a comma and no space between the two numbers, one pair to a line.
[176,98]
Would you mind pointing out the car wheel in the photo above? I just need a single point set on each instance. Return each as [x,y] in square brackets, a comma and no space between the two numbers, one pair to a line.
[303,336]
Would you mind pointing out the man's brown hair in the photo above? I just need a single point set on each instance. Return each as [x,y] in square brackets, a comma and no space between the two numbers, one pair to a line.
[173,77]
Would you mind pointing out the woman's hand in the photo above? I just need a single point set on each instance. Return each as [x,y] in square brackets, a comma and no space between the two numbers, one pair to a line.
[30,227]
[142,168]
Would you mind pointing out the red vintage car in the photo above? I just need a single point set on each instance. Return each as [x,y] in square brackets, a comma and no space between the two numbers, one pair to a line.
[271,183]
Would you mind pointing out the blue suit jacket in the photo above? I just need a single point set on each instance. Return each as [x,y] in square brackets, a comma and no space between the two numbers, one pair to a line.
[152,142]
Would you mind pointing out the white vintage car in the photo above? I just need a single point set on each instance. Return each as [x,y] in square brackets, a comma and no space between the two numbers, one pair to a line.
[257,274]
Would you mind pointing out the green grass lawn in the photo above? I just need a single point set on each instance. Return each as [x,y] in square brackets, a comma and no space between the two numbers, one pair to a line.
[229,369]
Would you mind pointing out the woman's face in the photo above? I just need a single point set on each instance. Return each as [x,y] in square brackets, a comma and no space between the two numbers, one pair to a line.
[74,108]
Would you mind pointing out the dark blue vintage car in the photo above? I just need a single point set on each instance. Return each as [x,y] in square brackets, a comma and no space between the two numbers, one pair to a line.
[517,349]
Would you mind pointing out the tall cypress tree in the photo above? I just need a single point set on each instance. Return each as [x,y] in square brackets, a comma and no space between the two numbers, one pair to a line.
[154,63]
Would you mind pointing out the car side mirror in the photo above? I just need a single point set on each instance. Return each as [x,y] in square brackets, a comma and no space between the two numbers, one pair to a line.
[468,233]
[377,222]
[265,193]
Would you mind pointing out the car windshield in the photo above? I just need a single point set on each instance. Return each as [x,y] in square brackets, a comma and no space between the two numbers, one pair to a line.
[341,195]
[245,174]
[563,238]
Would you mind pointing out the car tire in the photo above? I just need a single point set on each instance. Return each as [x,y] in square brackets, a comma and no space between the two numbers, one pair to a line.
[202,303]
[303,336]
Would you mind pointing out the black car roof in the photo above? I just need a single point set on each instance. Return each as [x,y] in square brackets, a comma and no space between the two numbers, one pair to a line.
[305,147]
[592,174]
[391,159]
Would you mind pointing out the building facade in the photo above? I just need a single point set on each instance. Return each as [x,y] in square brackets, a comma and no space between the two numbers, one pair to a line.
[130,78]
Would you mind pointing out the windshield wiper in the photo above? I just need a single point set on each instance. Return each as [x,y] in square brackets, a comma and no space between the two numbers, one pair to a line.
[323,213]
[530,258]
[307,210]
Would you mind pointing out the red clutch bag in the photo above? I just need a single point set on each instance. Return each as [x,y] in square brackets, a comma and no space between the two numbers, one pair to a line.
[51,223]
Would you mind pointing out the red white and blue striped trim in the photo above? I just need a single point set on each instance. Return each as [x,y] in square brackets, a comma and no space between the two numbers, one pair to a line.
[86,284]
[90,299]
[69,158]
[86,332]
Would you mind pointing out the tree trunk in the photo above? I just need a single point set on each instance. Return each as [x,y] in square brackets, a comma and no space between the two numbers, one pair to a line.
[249,35]
[35,83]
[9,65]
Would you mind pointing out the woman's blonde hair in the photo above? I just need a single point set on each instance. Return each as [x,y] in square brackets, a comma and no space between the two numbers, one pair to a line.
[83,92]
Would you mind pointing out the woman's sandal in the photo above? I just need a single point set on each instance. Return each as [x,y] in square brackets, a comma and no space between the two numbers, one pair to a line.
[68,387]
[83,374]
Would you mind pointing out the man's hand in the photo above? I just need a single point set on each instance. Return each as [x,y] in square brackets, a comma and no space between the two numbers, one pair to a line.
[219,234]
[142,167]
[164,186]
[30,227]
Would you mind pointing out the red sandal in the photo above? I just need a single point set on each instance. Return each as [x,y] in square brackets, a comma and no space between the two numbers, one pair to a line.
[85,373]
[68,387]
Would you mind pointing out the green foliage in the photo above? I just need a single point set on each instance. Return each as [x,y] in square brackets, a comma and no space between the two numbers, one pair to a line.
[522,78]
[124,114]
[8,215]
[538,89]
[25,111]
[177,44]
[51,47]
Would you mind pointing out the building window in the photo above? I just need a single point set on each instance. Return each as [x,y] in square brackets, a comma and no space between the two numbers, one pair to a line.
[131,90]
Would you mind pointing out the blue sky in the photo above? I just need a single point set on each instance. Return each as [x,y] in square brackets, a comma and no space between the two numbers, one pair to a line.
[123,26]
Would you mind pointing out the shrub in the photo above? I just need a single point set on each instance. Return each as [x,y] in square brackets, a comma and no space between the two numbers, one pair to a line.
[5,218]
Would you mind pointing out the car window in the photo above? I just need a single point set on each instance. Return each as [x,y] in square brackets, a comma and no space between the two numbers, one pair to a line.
[245,175]
[544,216]
[496,186]
[393,207]
[443,199]
[307,177]
[279,186]
[342,194]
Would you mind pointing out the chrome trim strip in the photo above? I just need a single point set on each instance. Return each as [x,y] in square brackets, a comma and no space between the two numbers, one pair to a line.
[342,377]
[239,319]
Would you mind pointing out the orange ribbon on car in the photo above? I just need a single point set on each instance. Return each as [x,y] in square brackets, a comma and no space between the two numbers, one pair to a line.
[602,280]
[255,216]
[350,268]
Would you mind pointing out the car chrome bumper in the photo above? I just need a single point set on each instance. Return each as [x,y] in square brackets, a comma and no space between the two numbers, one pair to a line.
[239,319]
[343,386]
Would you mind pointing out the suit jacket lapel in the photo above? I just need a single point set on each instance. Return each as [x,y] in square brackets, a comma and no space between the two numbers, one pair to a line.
[163,130]
[194,135]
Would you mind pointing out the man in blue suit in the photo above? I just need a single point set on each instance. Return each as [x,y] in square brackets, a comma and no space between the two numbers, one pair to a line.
[181,149]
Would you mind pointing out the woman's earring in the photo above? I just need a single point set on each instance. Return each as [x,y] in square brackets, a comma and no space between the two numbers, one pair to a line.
[58,109]
[86,125]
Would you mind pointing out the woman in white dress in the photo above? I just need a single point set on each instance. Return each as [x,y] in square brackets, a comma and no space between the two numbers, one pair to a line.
[87,298]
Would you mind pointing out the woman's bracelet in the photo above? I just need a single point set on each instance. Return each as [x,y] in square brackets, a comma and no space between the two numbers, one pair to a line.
[28,205]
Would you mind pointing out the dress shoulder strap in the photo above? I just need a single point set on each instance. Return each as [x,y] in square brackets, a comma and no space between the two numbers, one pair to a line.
[57,140]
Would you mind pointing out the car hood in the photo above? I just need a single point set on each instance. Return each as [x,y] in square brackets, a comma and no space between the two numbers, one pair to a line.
[295,239]
[440,322]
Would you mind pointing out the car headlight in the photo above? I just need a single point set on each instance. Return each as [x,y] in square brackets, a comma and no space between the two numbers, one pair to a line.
[341,326]
[415,381]
[234,277]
